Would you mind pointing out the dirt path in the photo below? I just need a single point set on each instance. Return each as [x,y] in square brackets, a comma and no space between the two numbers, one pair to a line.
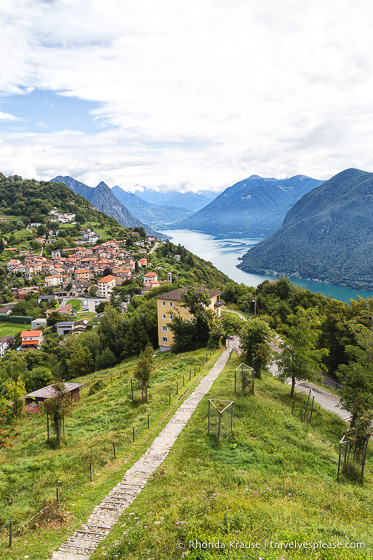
[105,515]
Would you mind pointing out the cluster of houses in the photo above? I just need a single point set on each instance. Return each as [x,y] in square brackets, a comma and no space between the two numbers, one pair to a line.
[82,265]
[62,217]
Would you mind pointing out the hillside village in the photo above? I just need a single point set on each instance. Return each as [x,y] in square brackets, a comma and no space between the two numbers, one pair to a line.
[124,328]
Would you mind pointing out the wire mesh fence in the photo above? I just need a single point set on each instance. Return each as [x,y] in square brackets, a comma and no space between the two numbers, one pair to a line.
[220,418]
[244,379]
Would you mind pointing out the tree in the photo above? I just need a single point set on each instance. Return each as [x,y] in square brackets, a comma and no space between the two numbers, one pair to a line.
[58,407]
[54,317]
[7,430]
[80,362]
[93,291]
[357,376]
[144,368]
[16,393]
[37,378]
[105,359]
[300,358]
[255,341]
[136,339]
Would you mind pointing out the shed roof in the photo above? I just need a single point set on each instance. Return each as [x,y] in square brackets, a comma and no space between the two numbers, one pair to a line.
[175,295]
[48,392]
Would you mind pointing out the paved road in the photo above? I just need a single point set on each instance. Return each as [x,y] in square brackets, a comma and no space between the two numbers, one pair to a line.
[323,398]
[154,248]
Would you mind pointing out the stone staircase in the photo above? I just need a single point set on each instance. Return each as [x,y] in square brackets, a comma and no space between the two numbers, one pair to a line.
[104,516]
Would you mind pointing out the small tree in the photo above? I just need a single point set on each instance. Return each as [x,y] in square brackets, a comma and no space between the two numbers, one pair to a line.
[300,359]
[8,432]
[357,376]
[58,407]
[16,392]
[255,341]
[144,368]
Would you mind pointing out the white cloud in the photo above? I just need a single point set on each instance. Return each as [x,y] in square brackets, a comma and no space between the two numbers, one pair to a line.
[8,117]
[201,94]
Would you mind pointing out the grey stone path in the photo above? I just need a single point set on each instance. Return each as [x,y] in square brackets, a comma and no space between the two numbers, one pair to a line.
[104,516]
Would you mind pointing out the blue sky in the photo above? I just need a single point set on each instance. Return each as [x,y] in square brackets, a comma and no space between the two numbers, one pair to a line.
[45,110]
[185,95]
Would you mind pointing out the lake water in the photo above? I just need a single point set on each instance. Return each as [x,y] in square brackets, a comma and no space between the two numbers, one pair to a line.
[224,253]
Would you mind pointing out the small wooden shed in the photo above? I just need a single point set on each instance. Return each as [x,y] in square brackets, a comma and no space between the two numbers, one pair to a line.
[48,392]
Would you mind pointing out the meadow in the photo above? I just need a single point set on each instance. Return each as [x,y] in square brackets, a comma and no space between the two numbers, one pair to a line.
[31,471]
[273,480]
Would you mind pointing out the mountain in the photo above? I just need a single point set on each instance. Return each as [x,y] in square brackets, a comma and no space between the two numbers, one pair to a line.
[104,199]
[188,200]
[255,206]
[152,214]
[327,235]
[30,200]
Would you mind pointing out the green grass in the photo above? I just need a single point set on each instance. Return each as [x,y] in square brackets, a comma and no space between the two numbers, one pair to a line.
[11,329]
[89,315]
[29,472]
[274,479]
[228,310]
[76,303]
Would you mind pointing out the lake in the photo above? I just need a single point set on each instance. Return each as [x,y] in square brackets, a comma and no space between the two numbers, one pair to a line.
[224,253]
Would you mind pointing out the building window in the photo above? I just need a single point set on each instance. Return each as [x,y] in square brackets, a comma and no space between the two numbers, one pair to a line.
[163,316]
[164,328]
[164,338]
[163,303]
[171,304]
[170,317]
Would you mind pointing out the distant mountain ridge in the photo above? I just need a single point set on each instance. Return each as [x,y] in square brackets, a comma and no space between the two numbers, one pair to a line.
[254,206]
[104,199]
[327,235]
[149,213]
[188,200]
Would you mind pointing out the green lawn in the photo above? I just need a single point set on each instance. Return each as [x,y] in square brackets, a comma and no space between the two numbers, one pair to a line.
[89,315]
[272,481]
[7,328]
[76,303]
[29,472]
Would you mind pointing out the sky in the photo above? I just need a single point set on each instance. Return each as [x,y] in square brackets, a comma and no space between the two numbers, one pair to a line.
[185,95]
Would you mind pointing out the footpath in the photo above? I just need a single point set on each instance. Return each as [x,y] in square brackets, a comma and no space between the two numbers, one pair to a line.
[105,515]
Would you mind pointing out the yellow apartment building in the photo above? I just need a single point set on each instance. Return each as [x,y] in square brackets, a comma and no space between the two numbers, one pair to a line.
[171,303]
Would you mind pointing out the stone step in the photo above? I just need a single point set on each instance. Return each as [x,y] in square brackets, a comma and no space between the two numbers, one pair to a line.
[84,541]
[72,549]
[98,528]
[93,533]
[57,555]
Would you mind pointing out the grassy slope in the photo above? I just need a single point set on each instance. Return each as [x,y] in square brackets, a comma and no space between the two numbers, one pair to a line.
[275,479]
[8,328]
[29,472]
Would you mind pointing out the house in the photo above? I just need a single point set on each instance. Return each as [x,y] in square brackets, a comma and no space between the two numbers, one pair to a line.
[55,255]
[40,322]
[32,339]
[105,285]
[5,311]
[63,310]
[82,274]
[43,299]
[49,392]
[150,276]
[54,280]
[5,343]
[64,327]
[169,303]
[142,262]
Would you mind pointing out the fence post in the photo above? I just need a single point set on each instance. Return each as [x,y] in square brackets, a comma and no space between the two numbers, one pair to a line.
[177,387]
[115,456]
[133,434]
[190,374]
[10,533]
[208,421]
[148,421]
[57,495]
[219,426]
[305,412]
[313,400]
